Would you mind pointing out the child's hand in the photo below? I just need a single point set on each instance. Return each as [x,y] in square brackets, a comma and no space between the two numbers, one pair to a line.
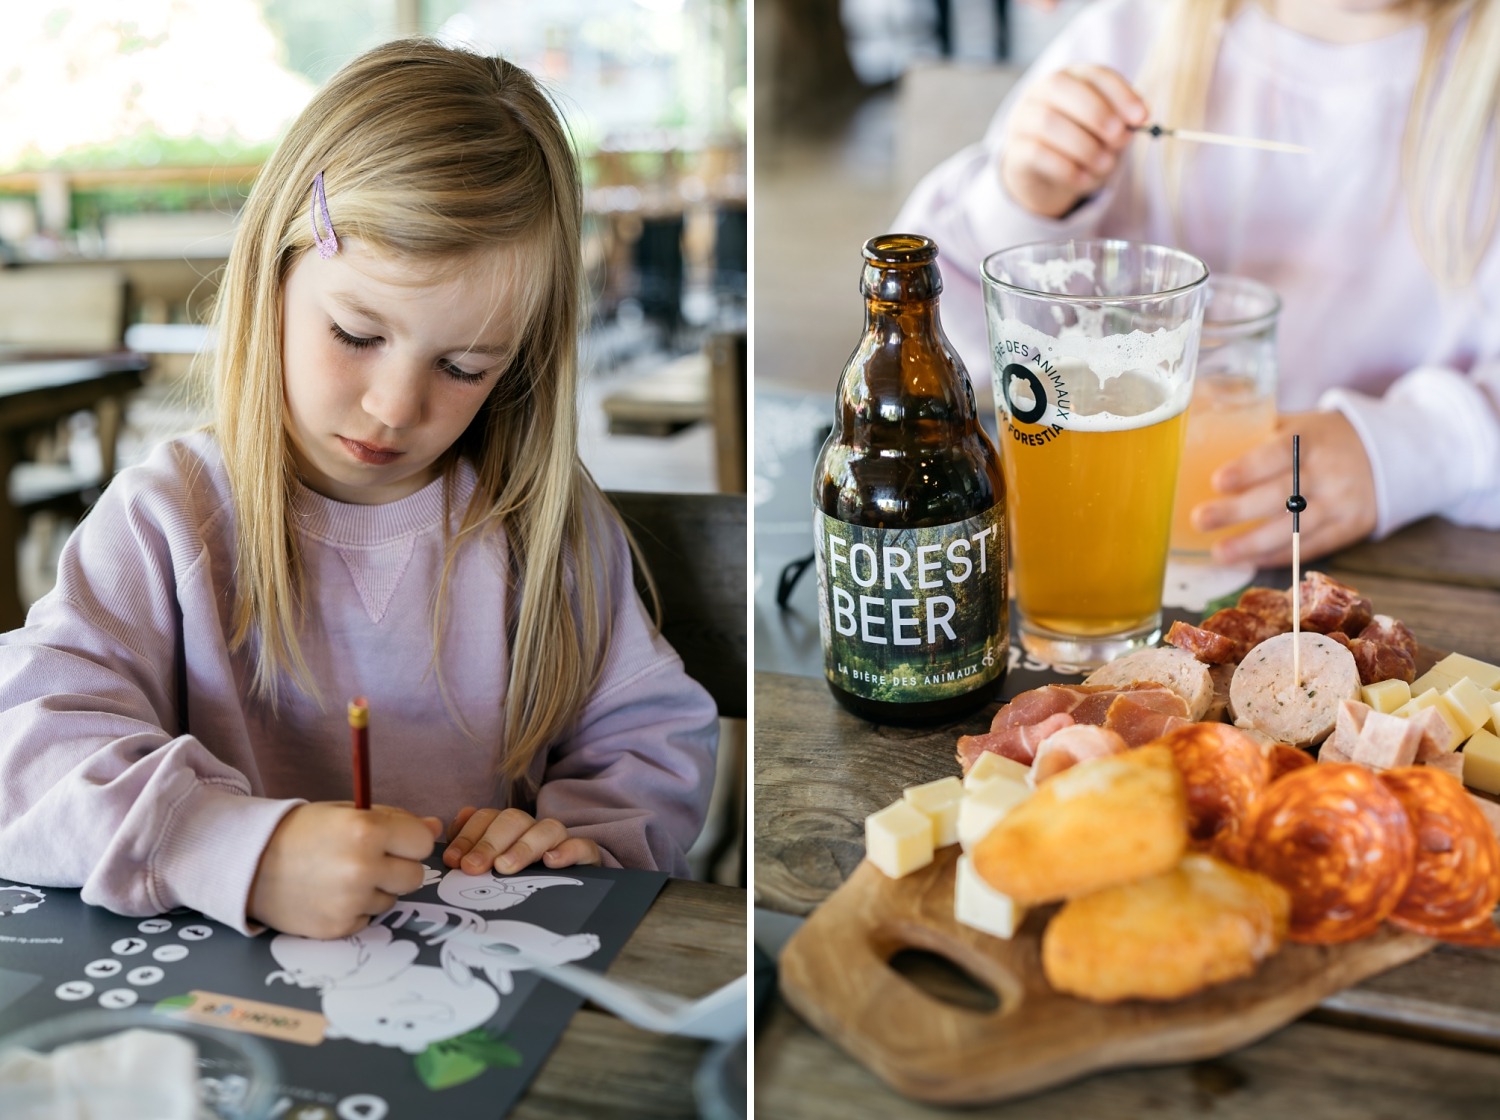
[1336,481]
[1065,138]
[330,867]
[509,839]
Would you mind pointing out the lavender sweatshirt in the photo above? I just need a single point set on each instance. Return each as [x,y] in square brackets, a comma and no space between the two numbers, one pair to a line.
[110,782]
[1365,327]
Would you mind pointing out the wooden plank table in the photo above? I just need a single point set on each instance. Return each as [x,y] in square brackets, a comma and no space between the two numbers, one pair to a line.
[1420,1040]
[691,942]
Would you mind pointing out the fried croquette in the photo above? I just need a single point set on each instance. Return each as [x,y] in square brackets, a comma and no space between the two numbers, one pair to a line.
[1105,821]
[1202,923]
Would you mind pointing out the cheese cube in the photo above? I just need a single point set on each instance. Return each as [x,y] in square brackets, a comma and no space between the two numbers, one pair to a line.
[1428,698]
[938,801]
[1468,705]
[1435,678]
[983,808]
[1386,696]
[898,839]
[990,765]
[1494,724]
[1455,729]
[1482,762]
[977,904]
[1457,666]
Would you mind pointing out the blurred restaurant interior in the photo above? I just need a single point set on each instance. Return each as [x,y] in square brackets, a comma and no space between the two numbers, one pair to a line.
[130,134]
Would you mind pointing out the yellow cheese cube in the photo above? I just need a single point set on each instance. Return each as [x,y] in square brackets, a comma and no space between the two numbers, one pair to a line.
[1468,705]
[1494,724]
[938,802]
[1481,757]
[898,839]
[1424,699]
[982,809]
[1386,696]
[990,765]
[977,904]
[1435,678]
[1458,666]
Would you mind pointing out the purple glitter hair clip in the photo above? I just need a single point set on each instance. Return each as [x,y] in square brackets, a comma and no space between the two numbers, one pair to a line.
[327,246]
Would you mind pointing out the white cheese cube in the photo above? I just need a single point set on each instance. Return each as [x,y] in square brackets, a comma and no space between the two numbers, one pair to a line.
[1468,705]
[1427,698]
[1494,723]
[1451,718]
[977,904]
[983,808]
[1436,678]
[938,801]
[990,765]
[1386,696]
[1481,757]
[1458,665]
[898,839]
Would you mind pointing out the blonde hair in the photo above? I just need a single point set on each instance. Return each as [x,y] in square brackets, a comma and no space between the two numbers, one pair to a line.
[1449,146]
[431,155]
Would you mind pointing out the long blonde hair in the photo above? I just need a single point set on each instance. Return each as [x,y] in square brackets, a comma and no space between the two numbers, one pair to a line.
[428,154]
[1449,146]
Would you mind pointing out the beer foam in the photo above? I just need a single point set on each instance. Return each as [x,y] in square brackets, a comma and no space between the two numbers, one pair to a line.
[1051,276]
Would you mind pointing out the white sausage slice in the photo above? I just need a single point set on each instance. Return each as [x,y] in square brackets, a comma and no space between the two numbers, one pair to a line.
[1262,695]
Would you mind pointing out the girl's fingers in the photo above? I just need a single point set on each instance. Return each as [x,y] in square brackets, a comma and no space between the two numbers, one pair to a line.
[575,851]
[399,876]
[527,848]
[473,828]
[1079,98]
[1057,129]
[502,832]
[1112,86]
[459,821]
[1051,166]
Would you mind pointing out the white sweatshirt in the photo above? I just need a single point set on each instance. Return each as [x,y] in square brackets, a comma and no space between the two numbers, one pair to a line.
[1365,327]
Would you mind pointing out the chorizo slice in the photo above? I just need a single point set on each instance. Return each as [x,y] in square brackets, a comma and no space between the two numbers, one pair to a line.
[1339,842]
[1456,881]
[1224,771]
[1285,759]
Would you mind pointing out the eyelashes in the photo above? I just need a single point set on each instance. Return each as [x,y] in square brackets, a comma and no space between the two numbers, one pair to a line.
[361,342]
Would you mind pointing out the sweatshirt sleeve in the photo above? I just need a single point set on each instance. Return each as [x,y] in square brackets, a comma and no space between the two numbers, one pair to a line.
[95,790]
[1433,441]
[636,774]
[962,205]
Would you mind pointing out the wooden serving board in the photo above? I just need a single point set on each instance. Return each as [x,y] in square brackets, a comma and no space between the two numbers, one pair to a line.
[835,972]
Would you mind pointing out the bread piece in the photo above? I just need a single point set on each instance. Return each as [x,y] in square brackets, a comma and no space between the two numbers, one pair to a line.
[1105,821]
[1200,923]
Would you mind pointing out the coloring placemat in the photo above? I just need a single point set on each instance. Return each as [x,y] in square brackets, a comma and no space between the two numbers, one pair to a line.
[397,1021]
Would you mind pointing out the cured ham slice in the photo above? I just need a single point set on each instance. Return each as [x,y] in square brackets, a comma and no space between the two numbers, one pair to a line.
[1139,720]
[1170,668]
[1016,743]
[1070,746]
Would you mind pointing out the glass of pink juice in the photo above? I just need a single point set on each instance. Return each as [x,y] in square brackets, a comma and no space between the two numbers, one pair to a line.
[1234,398]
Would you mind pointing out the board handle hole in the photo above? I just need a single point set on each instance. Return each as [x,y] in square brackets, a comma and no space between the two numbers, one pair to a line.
[940,978]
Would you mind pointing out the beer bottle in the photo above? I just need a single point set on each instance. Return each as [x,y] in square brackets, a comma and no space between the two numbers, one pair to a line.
[909,511]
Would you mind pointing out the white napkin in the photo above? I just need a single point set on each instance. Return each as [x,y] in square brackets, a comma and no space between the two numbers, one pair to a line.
[136,1074]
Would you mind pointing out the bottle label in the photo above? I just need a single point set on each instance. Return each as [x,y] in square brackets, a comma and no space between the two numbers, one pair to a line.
[912,615]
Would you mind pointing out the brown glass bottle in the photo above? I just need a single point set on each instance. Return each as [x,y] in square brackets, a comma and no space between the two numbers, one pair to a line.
[909,511]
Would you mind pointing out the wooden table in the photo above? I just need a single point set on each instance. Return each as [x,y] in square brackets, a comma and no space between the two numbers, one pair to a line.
[691,942]
[37,391]
[1420,1040]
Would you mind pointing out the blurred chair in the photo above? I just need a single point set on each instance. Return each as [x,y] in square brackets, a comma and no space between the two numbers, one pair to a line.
[727,396]
[731,253]
[659,271]
[695,548]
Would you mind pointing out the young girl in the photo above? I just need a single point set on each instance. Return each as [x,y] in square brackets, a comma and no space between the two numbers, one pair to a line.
[1381,242]
[389,503]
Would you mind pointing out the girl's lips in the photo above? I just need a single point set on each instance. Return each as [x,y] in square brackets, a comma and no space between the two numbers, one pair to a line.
[375,456]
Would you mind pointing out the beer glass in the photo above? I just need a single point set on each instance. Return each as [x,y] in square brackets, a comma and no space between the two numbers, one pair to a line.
[1234,398]
[1093,346]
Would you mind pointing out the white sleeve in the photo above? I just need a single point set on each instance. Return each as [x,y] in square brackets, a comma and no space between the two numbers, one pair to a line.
[1434,445]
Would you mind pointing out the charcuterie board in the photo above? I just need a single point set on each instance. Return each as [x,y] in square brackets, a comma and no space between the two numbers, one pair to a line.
[836,973]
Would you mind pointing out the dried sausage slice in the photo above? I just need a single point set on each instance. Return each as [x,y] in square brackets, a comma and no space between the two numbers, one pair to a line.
[1205,645]
[1329,605]
[1456,883]
[1223,770]
[1339,842]
[1273,605]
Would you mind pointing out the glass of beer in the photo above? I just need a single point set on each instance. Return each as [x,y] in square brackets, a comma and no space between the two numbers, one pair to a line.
[1234,398]
[1093,345]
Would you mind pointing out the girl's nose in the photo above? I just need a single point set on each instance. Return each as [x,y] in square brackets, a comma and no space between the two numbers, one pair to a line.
[396,395]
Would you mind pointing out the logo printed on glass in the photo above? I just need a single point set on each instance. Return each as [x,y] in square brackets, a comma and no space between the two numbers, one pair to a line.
[1028,390]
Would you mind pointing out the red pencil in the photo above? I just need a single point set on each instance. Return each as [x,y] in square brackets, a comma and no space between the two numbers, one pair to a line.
[359,733]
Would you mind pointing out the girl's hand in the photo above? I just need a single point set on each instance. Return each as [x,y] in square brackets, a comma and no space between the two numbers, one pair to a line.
[1065,137]
[329,867]
[1336,481]
[509,839]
